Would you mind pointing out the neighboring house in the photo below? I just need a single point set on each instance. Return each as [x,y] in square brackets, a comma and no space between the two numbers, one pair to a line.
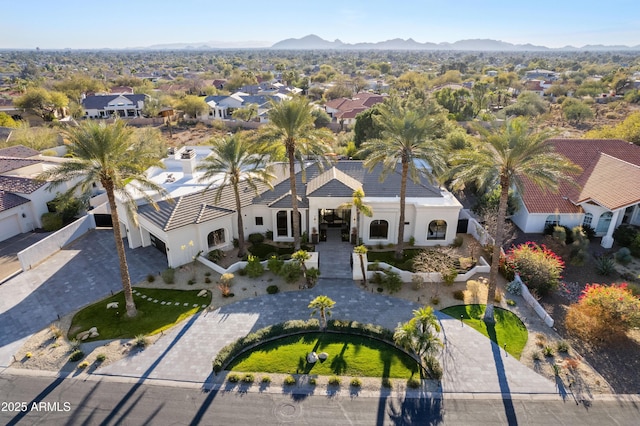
[23,199]
[106,106]
[607,192]
[195,217]
[344,110]
[540,74]
[221,107]
[537,86]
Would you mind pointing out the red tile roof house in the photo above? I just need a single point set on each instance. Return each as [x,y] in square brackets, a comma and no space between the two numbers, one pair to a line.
[345,110]
[607,193]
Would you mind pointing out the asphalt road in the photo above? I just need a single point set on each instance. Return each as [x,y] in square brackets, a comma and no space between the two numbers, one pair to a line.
[54,401]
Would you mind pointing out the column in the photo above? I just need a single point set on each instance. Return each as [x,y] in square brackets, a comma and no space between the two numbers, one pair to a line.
[607,240]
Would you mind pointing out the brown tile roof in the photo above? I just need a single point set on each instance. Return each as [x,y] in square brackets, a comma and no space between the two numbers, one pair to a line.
[19,184]
[9,163]
[597,185]
[18,151]
[9,200]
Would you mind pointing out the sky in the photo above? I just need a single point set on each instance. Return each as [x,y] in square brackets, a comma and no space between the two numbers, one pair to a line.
[118,24]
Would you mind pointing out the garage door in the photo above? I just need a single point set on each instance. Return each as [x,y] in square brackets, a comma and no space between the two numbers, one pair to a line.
[9,226]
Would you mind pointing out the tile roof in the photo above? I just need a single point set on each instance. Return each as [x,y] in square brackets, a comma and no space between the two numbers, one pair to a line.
[102,101]
[18,151]
[21,185]
[337,178]
[10,163]
[9,200]
[586,153]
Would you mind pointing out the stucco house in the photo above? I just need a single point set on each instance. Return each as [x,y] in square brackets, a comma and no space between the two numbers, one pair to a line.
[194,222]
[221,107]
[119,105]
[344,110]
[23,199]
[607,193]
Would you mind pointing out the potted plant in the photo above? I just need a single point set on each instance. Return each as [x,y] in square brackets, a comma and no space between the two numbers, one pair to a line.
[314,236]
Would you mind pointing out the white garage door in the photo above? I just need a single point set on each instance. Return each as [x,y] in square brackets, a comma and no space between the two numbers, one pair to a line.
[9,226]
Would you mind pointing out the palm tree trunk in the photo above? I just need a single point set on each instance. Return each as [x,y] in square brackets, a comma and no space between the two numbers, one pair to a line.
[124,268]
[241,251]
[495,259]
[362,268]
[403,195]
[294,196]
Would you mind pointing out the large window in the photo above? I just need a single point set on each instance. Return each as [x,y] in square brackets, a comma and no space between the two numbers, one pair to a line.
[281,223]
[216,238]
[604,222]
[552,219]
[379,230]
[437,230]
[588,219]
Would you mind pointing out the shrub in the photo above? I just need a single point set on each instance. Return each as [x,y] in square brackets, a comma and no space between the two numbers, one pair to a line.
[548,351]
[435,300]
[101,358]
[289,380]
[536,356]
[498,297]
[449,276]
[334,381]
[589,231]
[563,346]
[74,345]
[272,289]
[51,222]
[625,235]
[604,313]
[605,265]
[215,255]
[355,382]
[76,355]
[168,276]
[269,235]
[140,341]
[256,238]
[623,256]
[313,381]
[56,331]
[458,295]
[457,241]
[191,282]
[254,268]
[635,246]
[392,281]
[28,355]
[265,379]
[539,267]
[312,276]
[414,383]
[275,265]
[412,241]
[83,365]
[233,378]
[417,282]
[560,234]
[226,278]
[236,243]
[151,278]
[248,378]
[433,367]
[514,287]
[291,272]
[511,302]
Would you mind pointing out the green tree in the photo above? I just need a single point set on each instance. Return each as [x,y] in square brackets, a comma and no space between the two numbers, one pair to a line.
[110,155]
[628,130]
[419,334]
[480,95]
[408,132]
[38,138]
[236,159]
[529,104]
[576,111]
[291,123]
[42,102]
[366,127]
[247,113]
[7,121]
[322,305]
[505,156]
[193,106]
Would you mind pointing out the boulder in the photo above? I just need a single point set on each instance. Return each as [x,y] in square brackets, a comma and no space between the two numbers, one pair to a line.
[203,293]
[94,334]
[312,358]
[83,335]
[93,330]
[323,355]
[112,305]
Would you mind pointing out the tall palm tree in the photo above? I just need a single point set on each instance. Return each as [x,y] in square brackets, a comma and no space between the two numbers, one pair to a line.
[409,131]
[292,123]
[235,159]
[111,155]
[322,305]
[419,334]
[503,157]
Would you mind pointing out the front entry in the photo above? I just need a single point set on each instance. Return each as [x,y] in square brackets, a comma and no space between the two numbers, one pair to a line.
[334,224]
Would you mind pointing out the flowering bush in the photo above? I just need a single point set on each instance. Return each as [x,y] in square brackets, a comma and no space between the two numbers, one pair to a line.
[603,312]
[540,268]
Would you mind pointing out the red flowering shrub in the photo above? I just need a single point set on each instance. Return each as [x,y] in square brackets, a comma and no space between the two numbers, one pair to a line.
[603,313]
[540,268]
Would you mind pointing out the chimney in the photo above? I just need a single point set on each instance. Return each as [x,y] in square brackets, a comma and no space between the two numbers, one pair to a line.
[188,160]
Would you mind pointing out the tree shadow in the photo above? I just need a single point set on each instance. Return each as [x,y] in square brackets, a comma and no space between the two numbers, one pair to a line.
[423,410]
[509,410]
[338,363]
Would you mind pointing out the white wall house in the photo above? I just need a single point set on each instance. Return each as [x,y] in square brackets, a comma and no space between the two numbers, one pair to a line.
[222,107]
[607,192]
[195,222]
[119,105]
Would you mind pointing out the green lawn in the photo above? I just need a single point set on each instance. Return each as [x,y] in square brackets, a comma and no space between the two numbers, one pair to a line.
[509,328]
[349,355]
[264,250]
[389,258]
[152,317]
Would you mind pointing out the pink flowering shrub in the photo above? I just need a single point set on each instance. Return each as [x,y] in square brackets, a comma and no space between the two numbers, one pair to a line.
[604,313]
[540,268]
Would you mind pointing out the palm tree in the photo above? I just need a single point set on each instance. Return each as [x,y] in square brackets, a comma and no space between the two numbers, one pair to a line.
[111,155]
[504,157]
[419,334]
[292,123]
[235,159]
[408,132]
[361,207]
[323,305]
[361,250]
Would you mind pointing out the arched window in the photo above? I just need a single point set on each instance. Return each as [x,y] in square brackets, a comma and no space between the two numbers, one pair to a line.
[552,219]
[588,219]
[216,238]
[437,230]
[603,222]
[379,230]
